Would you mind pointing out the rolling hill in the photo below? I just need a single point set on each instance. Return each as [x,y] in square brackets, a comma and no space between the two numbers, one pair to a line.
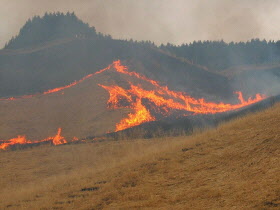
[83,109]
[80,110]
[57,64]
[33,62]
[235,166]
[33,65]
[58,73]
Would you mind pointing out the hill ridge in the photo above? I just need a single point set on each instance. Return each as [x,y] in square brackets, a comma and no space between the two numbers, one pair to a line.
[49,27]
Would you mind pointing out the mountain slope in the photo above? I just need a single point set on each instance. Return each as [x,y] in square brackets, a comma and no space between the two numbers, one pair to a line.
[235,166]
[57,49]
[80,111]
[30,71]
[264,79]
[83,109]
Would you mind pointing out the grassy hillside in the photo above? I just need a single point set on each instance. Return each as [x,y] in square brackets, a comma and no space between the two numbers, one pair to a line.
[80,111]
[236,166]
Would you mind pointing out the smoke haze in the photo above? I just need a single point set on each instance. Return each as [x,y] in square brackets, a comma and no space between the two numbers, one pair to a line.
[161,21]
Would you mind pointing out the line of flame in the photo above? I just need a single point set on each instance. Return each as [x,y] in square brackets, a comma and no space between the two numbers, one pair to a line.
[176,101]
[21,139]
[134,96]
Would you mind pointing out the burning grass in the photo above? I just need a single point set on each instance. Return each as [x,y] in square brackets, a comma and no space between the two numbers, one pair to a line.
[236,165]
[159,99]
[162,100]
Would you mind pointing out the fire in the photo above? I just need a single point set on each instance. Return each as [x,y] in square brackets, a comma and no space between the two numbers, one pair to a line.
[163,99]
[58,139]
[59,88]
[17,140]
[140,115]
[143,102]
[55,140]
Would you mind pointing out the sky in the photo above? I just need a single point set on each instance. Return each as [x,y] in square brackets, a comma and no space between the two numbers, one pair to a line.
[161,21]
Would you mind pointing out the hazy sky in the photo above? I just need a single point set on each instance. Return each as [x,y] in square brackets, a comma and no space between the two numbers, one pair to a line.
[161,21]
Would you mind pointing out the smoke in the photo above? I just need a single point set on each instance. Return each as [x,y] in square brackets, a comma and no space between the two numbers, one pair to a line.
[262,80]
[161,21]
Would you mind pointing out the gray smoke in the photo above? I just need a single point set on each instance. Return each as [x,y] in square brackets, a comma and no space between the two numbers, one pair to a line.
[161,21]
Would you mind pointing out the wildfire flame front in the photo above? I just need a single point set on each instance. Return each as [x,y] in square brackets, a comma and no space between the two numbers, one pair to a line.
[161,97]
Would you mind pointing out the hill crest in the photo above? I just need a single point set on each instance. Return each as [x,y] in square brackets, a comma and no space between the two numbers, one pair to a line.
[50,27]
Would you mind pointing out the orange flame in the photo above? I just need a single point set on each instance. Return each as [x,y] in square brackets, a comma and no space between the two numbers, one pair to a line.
[58,139]
[17,140]
[162,99]
[140,116]
[59,88]
[55,140]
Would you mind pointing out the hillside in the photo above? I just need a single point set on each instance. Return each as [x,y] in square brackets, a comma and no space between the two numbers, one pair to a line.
[51,26]
[233,166]
[80,110]
[41,57]
[251,66]
[31,71]
[264,78]
[219,56]
[92,122]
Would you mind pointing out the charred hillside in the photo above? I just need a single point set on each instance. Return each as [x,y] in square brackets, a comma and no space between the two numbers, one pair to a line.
[83,108]
[188,125]
[43,57]
[57,49]
[148,84]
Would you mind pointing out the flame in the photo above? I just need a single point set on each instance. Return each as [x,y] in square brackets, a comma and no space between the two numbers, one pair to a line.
[163,99]
[17,140]
[140,115]
[160,100]
[58,139]
[55,140]
[57,89]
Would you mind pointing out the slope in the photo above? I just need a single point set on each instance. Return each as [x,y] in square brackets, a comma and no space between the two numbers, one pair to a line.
[80,110]
[265,79]
[57,49]
[60,62]
[233,166]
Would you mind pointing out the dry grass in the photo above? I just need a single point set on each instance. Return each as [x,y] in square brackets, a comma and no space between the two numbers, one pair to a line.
[236,166]
[80,111]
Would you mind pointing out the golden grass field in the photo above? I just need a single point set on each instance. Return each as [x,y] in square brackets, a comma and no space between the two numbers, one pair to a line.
[235,166]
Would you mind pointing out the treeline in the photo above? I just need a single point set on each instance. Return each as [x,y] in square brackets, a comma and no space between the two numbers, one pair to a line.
[215,55]
[50,27]
[219,55]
